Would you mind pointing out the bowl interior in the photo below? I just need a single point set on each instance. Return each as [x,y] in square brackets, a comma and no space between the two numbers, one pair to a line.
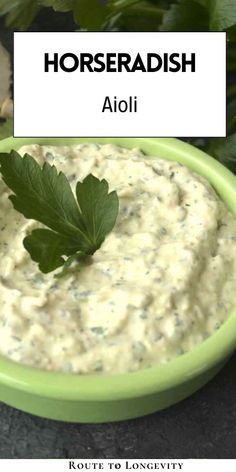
[179,370]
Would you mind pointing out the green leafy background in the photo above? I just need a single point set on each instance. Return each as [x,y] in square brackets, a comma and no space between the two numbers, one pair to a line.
[146,15]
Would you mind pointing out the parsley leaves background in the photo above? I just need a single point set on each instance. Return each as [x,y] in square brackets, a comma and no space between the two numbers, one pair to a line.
[137,15]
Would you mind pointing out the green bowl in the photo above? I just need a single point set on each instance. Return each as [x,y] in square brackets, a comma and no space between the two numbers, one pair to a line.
[101,398]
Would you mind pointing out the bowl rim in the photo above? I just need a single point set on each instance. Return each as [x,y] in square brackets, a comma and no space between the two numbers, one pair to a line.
[110,387]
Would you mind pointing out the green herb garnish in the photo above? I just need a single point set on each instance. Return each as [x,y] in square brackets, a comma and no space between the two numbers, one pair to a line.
[6,128]
[42,194]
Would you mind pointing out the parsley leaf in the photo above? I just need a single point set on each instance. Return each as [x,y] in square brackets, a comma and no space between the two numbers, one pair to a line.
[47,248]
[186,15]
[95,203]
[45,195]
[6,128]
[222,13]
[90,15]
[19,13]
[40,194]
[58,5]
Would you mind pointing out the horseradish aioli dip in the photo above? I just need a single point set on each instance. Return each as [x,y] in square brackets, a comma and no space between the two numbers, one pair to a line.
[162,282]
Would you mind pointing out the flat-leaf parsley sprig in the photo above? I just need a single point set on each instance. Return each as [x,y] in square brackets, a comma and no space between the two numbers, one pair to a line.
[76,228]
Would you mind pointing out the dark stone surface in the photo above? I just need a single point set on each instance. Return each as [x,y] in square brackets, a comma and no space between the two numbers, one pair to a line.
[203,426]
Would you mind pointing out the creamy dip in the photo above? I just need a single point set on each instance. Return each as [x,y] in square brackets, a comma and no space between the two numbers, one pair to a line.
[162,282]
